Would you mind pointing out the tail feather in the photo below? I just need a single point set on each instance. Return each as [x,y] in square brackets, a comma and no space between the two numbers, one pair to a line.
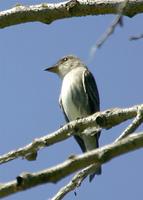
[98,172]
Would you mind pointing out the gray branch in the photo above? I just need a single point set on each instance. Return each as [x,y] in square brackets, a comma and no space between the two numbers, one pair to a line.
[75,181]
[54,174]
[133,126]
[117,21]
[136,37]
[49,12]
[80,176]
[106,119]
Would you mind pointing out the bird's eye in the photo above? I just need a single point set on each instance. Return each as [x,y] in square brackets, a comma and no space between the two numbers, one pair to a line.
[65,59]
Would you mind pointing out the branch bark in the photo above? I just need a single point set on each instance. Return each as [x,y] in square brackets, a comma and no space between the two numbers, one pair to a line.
[106,119]
[80,176]
[73,164]
[117,21]
[133,126]
[49,12]
[76,181]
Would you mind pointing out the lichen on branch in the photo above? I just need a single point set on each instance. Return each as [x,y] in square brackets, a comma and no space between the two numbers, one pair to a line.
[49,12]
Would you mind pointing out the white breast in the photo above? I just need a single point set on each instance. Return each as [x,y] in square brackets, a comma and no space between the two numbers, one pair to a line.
[75,103]
[72,105]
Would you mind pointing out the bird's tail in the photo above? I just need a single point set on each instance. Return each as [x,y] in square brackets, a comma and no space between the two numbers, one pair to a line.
[98,172]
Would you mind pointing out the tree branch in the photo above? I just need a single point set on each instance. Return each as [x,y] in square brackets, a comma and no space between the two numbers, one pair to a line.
[73,164]
[133,126]
[117,20]
[106,119]
[76,181]
[137,37]
[49,12]
[80,176]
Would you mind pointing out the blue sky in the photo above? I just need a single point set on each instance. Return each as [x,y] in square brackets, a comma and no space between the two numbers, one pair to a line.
[29,98]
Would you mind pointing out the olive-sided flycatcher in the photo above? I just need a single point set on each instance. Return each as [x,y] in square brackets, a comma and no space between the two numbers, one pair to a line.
[79,97]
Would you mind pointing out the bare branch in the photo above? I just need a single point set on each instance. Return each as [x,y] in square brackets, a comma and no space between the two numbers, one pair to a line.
[133,126]
[105,35]
[49,12]
[79,177]
[76,181]
[106,119]
[118,20]
[73,164]
[137,37]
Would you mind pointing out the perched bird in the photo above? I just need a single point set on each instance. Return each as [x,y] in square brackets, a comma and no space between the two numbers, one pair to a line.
[79,97]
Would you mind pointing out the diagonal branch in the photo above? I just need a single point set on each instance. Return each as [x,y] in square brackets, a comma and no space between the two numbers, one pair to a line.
[80,176]
[117,20]
[106,119]
[73,164]
[136,37]
[49,12]
[133,126]
[76,181]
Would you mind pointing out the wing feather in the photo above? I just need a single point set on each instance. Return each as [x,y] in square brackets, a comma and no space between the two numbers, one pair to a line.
[91,90]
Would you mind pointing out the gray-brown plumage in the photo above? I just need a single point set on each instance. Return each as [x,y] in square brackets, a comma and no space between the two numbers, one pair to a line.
[79,97]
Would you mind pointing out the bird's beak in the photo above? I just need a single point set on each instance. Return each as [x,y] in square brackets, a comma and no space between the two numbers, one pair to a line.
[53,69]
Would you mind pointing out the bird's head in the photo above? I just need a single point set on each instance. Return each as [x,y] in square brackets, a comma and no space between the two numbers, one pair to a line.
[65,65]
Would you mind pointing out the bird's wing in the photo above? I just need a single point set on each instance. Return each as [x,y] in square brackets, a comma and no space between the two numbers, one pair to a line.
[91,91]
[77,138]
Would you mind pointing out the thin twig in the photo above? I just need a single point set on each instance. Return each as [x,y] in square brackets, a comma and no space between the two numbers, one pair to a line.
[75,181]
[110,30]
[137,37]
[134,125]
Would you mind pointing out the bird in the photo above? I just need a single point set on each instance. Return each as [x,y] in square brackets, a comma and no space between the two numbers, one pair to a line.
[79,98]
